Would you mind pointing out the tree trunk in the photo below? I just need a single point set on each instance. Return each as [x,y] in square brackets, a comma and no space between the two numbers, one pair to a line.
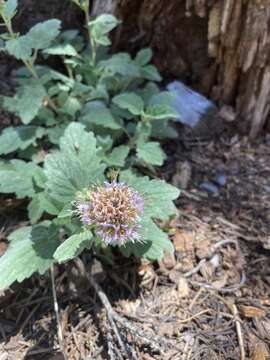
[219,47]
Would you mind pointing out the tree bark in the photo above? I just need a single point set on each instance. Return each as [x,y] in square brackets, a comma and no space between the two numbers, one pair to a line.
[219,47]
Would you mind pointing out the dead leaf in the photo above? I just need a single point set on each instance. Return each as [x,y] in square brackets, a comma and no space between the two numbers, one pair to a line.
[183,288]
[260,351]
[168,261]
[251,311]
[183,241]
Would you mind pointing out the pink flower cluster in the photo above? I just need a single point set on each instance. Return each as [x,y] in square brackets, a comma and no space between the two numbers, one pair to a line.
[115,210]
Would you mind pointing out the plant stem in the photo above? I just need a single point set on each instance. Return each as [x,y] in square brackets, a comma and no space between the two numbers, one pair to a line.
[56,310]
[91,41]
[29,64]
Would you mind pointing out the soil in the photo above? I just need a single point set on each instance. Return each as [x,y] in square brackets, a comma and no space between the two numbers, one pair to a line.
[210,300]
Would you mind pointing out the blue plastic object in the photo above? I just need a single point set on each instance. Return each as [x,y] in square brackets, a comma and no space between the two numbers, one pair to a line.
[190,105]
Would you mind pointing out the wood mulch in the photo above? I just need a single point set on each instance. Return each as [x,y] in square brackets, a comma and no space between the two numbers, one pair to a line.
[210,300]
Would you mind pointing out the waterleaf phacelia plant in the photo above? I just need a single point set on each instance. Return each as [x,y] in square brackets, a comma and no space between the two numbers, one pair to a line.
[80,122]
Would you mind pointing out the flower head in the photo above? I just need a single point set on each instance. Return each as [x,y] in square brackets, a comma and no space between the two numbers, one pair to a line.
[115,210]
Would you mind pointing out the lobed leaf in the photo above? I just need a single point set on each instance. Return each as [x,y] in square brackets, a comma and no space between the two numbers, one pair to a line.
[42,34]
[151,152]
[130,101]
[20,137]
[31,250]
[73,246]
[17,177]
[75,167]
[97,113]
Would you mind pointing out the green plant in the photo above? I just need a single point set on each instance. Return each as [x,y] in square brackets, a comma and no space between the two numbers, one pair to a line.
[99,113]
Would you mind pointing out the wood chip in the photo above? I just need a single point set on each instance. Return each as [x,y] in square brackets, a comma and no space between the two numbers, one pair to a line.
[183,241]
[183,288]
[260,351]
[251,311]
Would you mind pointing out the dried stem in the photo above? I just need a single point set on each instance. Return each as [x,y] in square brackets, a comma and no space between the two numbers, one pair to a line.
[57,315]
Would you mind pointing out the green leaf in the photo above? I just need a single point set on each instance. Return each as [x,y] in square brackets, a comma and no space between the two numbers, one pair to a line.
[97,113]
[35,209]
[17,177]
[20,137]
[28,102]
[31,250]
[130,101]
[158,195]
[101,26]
[20,48]
[144,56]
[149,91]
[120,64]
[151,73]
[61,49]
[154,242]
[10,7]
[42,34]
[118,156]
[161,112]
[151,153]
[71,106]
[73,246]
[75,167]
[162,129]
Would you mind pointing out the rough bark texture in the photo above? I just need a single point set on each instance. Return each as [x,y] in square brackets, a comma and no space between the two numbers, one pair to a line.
[220,47]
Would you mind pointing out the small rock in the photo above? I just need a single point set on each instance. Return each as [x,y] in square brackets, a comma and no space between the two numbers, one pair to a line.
[220,180]
[209,187]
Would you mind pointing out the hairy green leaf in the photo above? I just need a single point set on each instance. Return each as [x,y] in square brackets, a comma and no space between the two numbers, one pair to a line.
[20,137]
[154,242]
[42,34]
[158,195]
[130,101]
[31,250]
[9,8]
[150,72]
[144,56]
[75,166]
[28,102]
[101,26]
[118,156]
[73,246]
[120,64]
[61,49]
[17,177]
[20,48]
[161,112]
[151,153]
[97,113]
